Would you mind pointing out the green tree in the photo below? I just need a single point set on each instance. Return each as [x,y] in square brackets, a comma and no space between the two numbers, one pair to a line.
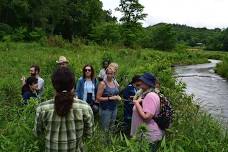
[69,18]
[106,32]
[225,40]
[131,35]
[132,12]
[162,37]
[214,43]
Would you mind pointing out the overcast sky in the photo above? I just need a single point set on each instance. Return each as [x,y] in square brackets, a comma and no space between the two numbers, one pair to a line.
[197,13]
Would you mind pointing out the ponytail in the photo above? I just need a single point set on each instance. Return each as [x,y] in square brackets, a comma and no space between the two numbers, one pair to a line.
[63,103]
[63,80]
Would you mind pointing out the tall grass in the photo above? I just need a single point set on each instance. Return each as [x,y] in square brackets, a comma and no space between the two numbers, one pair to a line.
[192,130]
[222,68]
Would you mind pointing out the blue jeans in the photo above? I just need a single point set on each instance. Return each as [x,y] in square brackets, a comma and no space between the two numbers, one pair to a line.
[107,118]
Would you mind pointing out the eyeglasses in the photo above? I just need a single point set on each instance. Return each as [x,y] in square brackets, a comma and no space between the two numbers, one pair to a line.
[87,70]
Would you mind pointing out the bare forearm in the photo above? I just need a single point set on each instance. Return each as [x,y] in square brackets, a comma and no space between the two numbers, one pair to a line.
[102,99]
[140,110]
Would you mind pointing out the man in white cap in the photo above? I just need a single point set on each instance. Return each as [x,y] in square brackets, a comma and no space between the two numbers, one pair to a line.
[62,62]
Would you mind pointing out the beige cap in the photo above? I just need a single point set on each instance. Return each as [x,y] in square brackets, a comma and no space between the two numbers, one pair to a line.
[62,59]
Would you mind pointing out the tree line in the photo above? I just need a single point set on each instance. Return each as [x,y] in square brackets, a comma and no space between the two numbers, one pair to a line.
[31,20]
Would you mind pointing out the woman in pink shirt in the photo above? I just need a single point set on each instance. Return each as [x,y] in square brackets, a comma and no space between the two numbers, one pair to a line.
[145,109]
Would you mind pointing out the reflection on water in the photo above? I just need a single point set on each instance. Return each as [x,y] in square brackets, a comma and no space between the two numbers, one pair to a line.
[209,89]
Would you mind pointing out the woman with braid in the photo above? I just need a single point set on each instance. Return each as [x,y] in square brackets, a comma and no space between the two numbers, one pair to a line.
[64,121]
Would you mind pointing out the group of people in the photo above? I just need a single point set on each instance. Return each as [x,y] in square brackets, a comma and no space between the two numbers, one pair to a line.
[33,86]
[68,118]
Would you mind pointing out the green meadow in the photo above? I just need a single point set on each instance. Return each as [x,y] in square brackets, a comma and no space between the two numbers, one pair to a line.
[193,130]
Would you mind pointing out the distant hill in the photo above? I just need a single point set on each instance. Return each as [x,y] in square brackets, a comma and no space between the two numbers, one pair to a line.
[190,35]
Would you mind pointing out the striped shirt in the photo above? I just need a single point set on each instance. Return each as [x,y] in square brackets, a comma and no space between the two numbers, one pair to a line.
[64,134]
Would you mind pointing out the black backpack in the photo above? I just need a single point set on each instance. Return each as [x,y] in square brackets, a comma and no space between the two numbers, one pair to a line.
[165,117]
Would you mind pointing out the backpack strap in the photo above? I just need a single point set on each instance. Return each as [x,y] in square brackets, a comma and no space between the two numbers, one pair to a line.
[144,94]
[106,84]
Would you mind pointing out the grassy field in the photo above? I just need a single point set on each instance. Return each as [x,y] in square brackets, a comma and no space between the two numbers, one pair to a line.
[222,68]
[192,130]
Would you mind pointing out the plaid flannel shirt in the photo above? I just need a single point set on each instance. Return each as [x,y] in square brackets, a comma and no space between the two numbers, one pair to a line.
[64,134]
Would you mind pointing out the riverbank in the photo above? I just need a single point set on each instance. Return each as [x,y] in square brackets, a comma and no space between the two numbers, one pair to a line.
[192,130]
[222,68]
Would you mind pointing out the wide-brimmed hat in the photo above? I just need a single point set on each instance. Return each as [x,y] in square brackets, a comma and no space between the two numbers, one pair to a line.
[148,79]
[62,59]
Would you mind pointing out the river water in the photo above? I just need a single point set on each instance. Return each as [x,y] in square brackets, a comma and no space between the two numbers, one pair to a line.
[209,89]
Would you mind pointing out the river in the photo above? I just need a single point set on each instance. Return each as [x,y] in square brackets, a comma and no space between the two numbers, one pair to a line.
[208,88]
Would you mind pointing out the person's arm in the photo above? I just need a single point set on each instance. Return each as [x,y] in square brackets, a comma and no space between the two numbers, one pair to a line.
[23,80]
[96,87]
[88,122]
[126,94]
[38,127]
[77,90]
[100,91]
[41,85]
[41,89]
[144,115]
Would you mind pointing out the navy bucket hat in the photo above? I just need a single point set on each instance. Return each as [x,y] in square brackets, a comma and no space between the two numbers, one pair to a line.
[148,79]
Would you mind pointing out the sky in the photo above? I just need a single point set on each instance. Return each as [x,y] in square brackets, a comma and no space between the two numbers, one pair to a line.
[196,13]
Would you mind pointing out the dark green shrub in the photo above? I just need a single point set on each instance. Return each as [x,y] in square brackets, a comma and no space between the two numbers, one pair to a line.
[36,34]
[5,29]
[20,34]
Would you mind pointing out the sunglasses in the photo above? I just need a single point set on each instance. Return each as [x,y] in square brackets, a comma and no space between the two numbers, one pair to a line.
[87,70]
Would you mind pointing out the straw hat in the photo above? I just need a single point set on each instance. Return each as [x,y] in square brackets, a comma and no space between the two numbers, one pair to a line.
[62,59]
